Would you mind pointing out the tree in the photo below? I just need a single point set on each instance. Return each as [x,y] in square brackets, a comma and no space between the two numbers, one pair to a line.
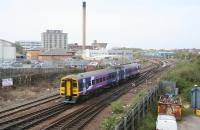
[19,48]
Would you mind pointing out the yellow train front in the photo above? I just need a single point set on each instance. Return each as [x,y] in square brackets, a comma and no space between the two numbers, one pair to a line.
[69,89]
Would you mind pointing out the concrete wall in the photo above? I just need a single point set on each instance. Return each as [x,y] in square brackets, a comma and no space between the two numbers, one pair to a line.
[9,53]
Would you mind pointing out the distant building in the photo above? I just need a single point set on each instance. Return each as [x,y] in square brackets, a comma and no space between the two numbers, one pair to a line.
[103,53]
[33,54]
[98,45]
[55,55]
[54,39]
[30,45]
[167,54]
[77,47]
[7,51]
[159,54]
[93,46]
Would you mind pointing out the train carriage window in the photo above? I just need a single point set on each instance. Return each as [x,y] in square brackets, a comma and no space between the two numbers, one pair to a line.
[104,78]
[80,85]
[89,83]
[100,79]
[93,82]
[97,81]
[107,77]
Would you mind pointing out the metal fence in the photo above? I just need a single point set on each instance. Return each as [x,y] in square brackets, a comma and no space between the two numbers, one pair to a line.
[16,72]
[168,87]
[29,76]
[132,120]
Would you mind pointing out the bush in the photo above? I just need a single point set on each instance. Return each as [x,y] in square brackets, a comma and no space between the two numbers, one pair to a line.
[109,123]
[187,111]
[149,121]
[185,75]
[117,107]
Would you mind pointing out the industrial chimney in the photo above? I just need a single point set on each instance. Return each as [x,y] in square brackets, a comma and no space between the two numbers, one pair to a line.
[84,25]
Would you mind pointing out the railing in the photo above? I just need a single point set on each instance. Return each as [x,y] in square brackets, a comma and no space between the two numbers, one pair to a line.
[16,72]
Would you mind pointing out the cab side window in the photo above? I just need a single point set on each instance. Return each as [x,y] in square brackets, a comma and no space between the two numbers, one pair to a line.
[74,83]
[63,83]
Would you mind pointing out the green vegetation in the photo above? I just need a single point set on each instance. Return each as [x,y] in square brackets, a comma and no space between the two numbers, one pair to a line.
[117,107]
[19,48]
[183,55]
[186,74]
[149,121]
[117,112]
[108,123]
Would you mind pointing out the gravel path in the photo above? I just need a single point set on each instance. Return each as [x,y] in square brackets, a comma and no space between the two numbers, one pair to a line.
[189,123]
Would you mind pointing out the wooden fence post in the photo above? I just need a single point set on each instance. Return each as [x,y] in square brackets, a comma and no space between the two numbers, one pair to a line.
[143,107]
[125,123]
[133,119]
[138,111]
[116,127]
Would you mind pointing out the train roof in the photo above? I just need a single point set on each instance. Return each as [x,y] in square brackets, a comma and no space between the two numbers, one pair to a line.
[99,72]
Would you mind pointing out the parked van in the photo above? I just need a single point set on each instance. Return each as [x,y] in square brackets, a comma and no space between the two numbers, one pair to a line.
[166,122]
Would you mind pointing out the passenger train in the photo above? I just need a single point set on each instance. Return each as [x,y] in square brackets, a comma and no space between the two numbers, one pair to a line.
[72,87]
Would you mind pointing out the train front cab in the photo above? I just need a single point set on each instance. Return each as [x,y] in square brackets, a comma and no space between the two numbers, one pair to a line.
[69,90]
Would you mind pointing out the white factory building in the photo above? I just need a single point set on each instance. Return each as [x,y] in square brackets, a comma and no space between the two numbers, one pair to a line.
[104,53]
[7,51]
[54,39]
[29,45]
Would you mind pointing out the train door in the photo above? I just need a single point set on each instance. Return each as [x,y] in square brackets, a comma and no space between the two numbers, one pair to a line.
[118,75]
[84,86]
[121,74]
[124,71]
[71,89]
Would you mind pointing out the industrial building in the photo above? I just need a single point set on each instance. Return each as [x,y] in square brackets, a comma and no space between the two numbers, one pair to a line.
[76,47]
[112,53]
[55,55]
[94,46]
[54,39]
[7,51]
[159,54]
[33,54]
[29,45]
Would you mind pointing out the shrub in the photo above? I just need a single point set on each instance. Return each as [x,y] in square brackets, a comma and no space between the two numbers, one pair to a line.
[117,107]
[149,121]
[109,123]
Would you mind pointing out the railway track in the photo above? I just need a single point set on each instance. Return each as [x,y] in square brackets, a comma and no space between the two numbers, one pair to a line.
[79,118]
[31,119]
[26,106]
[74,120]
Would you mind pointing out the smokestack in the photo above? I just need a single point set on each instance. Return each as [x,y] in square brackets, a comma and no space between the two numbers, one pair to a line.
[84,25]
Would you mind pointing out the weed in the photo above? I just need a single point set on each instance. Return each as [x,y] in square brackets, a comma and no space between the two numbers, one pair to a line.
[109,123]
[117,107]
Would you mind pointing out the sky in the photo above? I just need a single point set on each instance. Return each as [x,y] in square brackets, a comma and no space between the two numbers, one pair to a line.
[159,24]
